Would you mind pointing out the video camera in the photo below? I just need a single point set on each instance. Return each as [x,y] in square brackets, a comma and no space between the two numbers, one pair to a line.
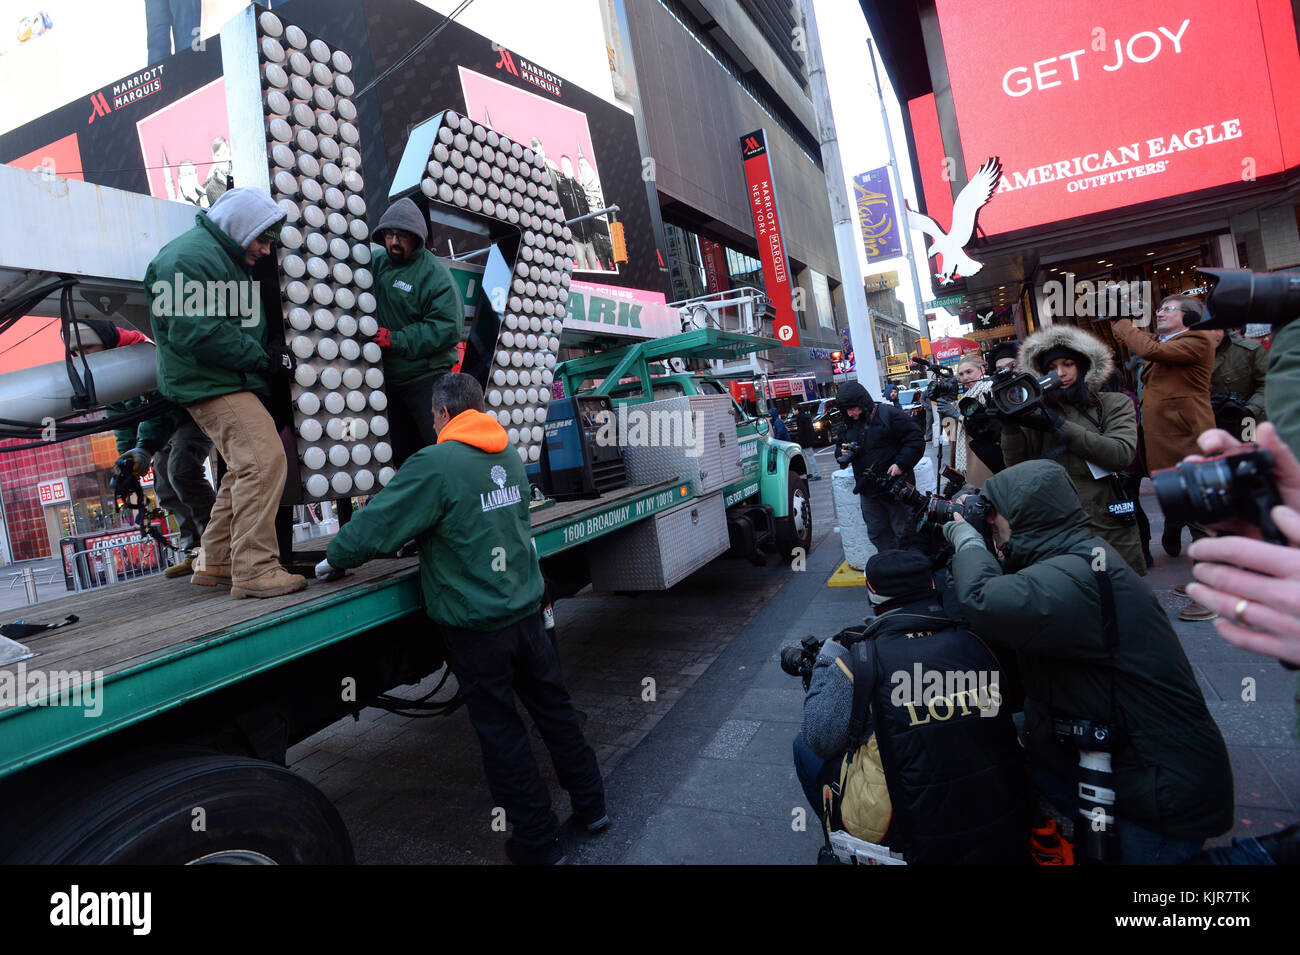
[1018,392]
[1238,296]
[943,386]
[1233,485]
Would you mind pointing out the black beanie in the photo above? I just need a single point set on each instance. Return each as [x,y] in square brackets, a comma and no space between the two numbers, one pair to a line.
[1003,350]
[1046,358]
[897,574]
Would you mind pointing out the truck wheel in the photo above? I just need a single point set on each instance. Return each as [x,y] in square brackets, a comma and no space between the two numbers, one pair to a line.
[205,809]
[795,530]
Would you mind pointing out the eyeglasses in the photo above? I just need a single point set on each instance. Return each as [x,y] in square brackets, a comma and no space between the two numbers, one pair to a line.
[1170,308]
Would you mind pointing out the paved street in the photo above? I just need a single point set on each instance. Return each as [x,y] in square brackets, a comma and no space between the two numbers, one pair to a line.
[702,772]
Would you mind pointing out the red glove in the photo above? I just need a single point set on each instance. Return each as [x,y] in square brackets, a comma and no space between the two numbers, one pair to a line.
[383,338]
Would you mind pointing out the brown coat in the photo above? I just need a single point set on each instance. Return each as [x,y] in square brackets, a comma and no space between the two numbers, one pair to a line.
[1175,391]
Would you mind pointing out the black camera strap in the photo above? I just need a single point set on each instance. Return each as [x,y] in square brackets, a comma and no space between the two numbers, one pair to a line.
[1110,635]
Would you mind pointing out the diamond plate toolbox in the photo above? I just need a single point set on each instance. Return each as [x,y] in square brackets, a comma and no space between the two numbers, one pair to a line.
[689,438]
[660,551]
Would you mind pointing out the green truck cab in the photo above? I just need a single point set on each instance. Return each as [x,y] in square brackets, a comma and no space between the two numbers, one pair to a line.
[769,507]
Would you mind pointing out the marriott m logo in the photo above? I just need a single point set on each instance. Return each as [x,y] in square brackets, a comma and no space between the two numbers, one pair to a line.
[751,144]
[101,107]
[507,62]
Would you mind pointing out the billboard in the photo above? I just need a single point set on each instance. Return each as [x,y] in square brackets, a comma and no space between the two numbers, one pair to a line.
[1093,107]
[873,195]
[767,233]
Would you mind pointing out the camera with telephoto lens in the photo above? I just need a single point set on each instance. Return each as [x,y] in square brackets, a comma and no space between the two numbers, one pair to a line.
[1095,836]
[932,510]
[1239,296]
[848,451]
[1020,393]
[1232,485]
[799,661]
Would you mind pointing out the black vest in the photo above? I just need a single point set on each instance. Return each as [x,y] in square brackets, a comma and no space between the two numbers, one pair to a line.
[932,692]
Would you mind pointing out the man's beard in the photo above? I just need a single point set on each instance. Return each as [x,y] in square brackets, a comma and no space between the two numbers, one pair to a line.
[397,253]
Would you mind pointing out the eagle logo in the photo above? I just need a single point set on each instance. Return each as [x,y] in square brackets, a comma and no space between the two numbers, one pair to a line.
[498,474]
[950,245]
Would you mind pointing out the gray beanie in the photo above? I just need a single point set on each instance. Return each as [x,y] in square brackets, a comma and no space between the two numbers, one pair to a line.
[405,215]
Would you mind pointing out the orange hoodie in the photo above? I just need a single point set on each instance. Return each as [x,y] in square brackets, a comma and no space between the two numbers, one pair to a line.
[476,429]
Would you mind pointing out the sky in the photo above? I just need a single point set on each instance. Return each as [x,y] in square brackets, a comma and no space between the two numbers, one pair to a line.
[843,32]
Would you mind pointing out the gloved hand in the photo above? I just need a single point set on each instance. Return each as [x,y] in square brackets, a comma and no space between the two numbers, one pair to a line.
[282,360]
[1044,419]
[383,337]
[325,572]
[135,462]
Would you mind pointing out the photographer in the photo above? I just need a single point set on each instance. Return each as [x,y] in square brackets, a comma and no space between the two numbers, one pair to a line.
[882,438]
[1237,383]
[1054,600]
[975,439]
[952,770]
[1093,433]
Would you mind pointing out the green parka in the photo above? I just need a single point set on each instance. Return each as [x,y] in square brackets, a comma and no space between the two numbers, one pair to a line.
[1284,384]
[1105,434]
[465,502]
[419,303]
[1170,763]
[1240,367]
[206,347]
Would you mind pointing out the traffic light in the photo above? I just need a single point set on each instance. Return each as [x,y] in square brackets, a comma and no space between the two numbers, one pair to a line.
[619,242]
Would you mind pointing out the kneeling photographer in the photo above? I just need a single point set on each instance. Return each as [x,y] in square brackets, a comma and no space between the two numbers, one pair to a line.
[907,736]
[882,438]
[1090,433]
[1112,710]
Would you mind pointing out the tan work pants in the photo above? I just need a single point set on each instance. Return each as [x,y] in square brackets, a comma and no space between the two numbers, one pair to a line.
[241,531]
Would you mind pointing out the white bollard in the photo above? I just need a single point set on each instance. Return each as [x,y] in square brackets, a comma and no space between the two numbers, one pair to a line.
[848,514]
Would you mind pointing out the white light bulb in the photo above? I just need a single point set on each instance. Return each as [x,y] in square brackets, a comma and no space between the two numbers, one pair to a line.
[318,485]
[347,326]
[300,319]
[345,298]
[341,482]
[364,480]
[349,350]
[371,352]
[386,475]
[339,455]
[330,378]
[374,378]
[305,375]
[379,426]
[383,452]
[378,400]
[308,403]
[314,458]
[334,403]
[360,454]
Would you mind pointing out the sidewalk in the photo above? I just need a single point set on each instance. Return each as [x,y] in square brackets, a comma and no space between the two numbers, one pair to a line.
[714,781]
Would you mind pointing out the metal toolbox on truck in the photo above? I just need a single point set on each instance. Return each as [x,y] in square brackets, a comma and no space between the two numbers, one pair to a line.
[690,438]
[655,554]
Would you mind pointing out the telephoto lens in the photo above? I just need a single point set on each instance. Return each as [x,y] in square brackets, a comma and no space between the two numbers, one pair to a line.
[1234,485]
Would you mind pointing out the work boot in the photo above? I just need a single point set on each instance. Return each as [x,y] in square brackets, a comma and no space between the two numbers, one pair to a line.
[1180,590]
[1195,611]
[273,583]
[211,575]
[180,570]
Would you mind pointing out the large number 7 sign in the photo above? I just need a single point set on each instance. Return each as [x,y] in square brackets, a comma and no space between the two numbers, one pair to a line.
[476,180]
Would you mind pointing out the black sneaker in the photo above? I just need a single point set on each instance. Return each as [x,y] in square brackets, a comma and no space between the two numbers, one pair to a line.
[1171,539]
[595,821]
[548,853]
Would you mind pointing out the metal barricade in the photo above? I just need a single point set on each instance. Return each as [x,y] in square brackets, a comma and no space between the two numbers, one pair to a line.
[111,564]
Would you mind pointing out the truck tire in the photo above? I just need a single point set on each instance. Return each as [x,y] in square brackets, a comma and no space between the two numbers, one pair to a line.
[253,813]
[795,530]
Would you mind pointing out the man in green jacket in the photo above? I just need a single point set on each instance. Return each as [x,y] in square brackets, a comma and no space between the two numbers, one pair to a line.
[1047,601]
[465,502]
[1241,369]
[421,321]
[214,356]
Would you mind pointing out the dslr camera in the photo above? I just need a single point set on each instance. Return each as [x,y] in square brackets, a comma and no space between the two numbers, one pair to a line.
[932,510]
[848,451]
[799,661]
[1238,296]
[1232,485]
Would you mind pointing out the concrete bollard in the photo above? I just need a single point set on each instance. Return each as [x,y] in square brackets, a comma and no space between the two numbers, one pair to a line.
[848,514]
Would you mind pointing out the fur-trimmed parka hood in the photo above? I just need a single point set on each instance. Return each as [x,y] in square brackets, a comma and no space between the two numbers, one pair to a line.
[1075,339]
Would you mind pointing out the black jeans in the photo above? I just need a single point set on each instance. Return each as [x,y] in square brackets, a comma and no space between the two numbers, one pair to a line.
[181,485]
[168,23]
[889,523]
[491,668]
[411,421]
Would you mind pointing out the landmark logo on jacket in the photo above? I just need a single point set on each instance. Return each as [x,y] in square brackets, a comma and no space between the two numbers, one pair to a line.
[951,245]
[503,496]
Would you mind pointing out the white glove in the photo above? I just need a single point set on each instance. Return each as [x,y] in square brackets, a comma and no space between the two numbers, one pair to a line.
[325,572]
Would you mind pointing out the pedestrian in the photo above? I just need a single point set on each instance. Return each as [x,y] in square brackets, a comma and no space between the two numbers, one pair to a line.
[168,23]
[421,319]
[779,430]
[1174,401]
[889,445]
[1096,649]
[1004,356]
[1090,433]
[465,500]
[216,365]
[893,397]
[171,443]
